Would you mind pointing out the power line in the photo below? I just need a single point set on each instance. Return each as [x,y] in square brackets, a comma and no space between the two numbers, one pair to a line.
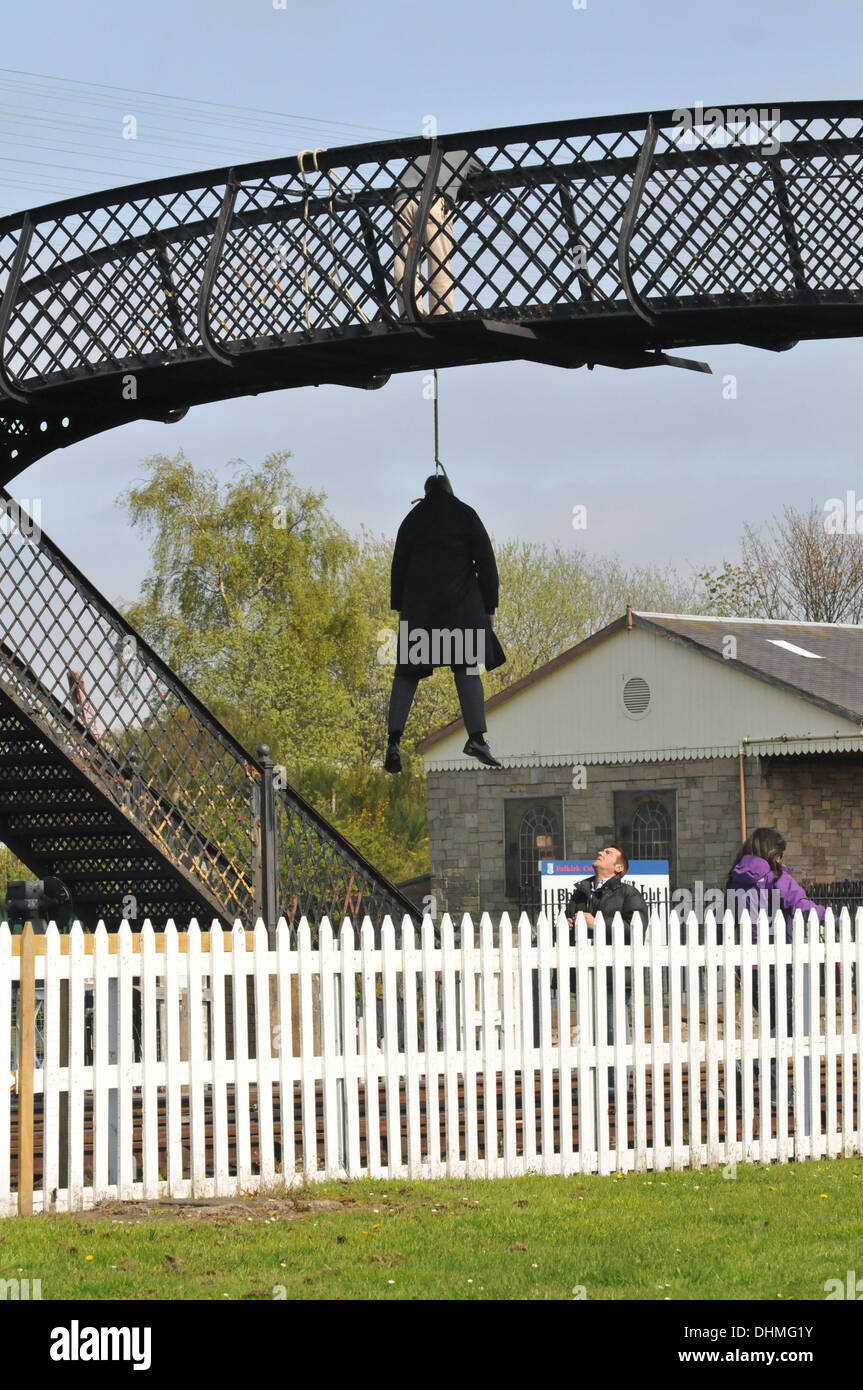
[147,140]
[173,133]
[232,125]
[197,101]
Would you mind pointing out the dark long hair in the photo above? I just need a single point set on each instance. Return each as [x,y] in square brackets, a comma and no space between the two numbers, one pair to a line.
[765,843]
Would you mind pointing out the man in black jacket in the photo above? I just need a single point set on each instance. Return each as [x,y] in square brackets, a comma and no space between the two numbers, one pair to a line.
[607,893]
[444,584]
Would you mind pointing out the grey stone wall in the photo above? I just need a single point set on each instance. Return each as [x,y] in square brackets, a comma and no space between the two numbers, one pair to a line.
[815,801]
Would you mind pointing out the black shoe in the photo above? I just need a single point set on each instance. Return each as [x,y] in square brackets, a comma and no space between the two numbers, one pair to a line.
[393,759]
[478,748]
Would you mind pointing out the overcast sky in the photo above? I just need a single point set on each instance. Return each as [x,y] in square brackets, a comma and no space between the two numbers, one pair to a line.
[667,468]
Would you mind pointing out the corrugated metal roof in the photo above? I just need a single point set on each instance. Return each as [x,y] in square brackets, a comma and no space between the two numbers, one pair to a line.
[821,662]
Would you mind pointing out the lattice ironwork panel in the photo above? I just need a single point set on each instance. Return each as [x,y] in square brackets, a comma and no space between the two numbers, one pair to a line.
[117,711]
[59,824]
[320,875]
[515,223]
[79,680]
[776,218]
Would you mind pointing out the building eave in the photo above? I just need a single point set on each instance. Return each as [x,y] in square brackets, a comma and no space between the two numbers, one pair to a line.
[779,746]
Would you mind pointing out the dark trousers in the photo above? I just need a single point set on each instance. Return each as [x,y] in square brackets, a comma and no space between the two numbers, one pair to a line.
[470,694]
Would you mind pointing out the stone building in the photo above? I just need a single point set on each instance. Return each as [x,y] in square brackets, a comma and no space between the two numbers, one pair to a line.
[669,735]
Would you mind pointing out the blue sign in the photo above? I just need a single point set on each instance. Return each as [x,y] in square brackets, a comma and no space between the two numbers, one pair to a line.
[559,877]
[583,868]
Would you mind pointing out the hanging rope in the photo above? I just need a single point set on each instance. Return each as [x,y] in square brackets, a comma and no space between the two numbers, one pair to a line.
[438,463]
[437,459]
[438,466]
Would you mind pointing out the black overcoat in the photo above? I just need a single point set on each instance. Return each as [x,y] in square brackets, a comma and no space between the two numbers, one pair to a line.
[444,576]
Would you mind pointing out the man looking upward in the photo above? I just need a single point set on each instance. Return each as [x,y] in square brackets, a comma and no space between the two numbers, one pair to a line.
[607,893]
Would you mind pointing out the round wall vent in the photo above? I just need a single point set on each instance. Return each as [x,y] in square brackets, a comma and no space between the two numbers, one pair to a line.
[636,695]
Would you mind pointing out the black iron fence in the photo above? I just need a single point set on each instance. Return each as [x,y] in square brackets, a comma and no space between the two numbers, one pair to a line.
[701,898]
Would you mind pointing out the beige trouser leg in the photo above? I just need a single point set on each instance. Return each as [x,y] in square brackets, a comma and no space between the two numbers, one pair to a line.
[438,249]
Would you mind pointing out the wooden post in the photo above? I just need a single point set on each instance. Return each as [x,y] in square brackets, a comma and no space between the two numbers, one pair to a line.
[26,1062]
[268,905]
[295,1015]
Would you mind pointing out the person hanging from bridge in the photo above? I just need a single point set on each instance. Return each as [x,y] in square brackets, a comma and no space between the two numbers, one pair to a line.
[444,586]
[455,167]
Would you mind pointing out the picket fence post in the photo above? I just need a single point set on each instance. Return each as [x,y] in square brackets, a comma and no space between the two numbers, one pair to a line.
[197,1114]
[329,1059]
[410,980]
[389,961]
[510,1034]
[433,1060]
[450,1048]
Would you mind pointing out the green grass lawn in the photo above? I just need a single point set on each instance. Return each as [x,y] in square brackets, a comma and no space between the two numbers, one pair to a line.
[769,1233]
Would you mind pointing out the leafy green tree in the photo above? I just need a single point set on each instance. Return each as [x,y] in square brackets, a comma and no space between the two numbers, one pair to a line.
[385,817]
[10,867]
[251,600]
[728,592]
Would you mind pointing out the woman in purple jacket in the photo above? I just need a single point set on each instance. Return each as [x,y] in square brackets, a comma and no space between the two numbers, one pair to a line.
[759,881]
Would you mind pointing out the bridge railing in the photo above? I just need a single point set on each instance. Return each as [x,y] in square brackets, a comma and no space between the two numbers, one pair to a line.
[650,211]
[97,689]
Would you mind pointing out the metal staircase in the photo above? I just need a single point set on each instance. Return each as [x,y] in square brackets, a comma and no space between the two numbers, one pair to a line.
[116,780]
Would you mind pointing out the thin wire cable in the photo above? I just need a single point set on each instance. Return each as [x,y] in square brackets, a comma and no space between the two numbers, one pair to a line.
[198,101]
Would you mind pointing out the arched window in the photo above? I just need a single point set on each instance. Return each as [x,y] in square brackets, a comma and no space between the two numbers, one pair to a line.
[537,836]
[534,831]
[651,831]
[645,824]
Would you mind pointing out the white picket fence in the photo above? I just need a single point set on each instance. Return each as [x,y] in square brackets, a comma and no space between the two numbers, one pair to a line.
[202,1064]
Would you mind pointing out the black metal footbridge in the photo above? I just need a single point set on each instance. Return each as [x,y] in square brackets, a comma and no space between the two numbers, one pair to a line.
[615,241]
